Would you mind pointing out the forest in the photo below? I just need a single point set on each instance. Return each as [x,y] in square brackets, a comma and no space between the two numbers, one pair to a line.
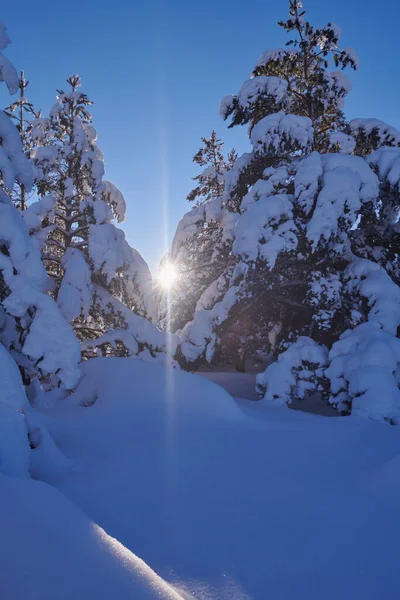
[231,418]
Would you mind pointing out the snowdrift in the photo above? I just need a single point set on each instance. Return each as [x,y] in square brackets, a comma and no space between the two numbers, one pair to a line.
[229,499]
[50,550]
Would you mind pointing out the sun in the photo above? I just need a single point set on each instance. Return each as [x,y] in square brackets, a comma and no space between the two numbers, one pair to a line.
[167,275]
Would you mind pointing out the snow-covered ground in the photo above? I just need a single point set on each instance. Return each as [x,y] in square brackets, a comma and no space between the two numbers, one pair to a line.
[239,385]
[222,498]
[50,550]
[243,385]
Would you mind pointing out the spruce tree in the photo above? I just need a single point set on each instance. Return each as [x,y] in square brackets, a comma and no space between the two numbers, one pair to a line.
[32,328]
[199,249]
[292,105]
[37,346]
[211,179]
[22,112]
[102,285]
[314,273]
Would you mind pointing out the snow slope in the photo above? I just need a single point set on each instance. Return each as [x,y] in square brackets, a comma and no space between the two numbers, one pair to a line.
[228,499]
[50,550]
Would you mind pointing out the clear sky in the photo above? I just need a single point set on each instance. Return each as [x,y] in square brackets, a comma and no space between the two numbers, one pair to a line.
[157,70]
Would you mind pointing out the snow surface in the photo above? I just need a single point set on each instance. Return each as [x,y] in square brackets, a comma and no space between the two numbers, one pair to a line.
[14,445]
[51,550]
[227,500]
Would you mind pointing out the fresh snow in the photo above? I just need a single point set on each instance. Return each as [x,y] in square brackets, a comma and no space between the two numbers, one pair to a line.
[290,372]
[223,499]
[14,445]
[51,550]
[253,88]
[276,130]
[266,229]
[8,74]
[386,133]
[387,162]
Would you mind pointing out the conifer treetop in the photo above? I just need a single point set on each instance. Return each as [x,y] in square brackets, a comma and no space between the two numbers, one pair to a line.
[297,80]
[211,179]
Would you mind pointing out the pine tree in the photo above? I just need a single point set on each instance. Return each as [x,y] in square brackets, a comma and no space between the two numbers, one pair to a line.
[199,249]
[296,80]
[313,241]
[32,328]
[36,344]
[293,105]
[99,281]
[22,111]
[211,180]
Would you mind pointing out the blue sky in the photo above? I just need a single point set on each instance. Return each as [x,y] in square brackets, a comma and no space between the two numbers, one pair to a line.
[157,71]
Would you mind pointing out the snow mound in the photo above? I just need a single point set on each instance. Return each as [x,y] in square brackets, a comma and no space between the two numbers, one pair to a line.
[154,387]
[49,549]
[225,499]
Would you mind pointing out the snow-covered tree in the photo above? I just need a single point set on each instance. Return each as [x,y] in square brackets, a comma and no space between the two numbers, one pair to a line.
[313,234]
[292,104]
[32,327]
[22,112]
[35,340]
[99,280]
[200,249]
[211,179]
[199,253]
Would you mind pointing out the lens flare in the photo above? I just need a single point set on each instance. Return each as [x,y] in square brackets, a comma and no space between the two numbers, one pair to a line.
[167,276]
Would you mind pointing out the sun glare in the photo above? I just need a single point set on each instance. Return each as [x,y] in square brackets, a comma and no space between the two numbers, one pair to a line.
[167,276]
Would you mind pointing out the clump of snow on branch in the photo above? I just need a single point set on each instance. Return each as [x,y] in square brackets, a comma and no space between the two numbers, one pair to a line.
[266,229]
[343,142]
[115,199]
[37,211]
[382,294]
[387,162]
[347,183]
[226,105]
[276,54]
[14,165]
[76,290]
[139,336]
[8,74]
[324,296]
[386,135]
[260,86]
[353,56]
[233,175]
[198,336]
[263,188]
[282,131]
[298,370]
